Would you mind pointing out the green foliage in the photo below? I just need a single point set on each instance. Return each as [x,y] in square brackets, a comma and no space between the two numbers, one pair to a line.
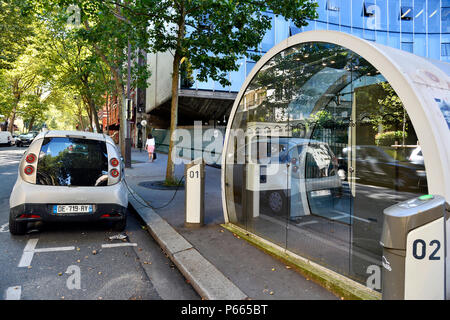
[16,31]
[389,138]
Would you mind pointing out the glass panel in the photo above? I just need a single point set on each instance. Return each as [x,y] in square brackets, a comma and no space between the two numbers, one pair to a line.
[394,15]
[72,162]
[384,161]
[434,16]
[320,145]
[420,16]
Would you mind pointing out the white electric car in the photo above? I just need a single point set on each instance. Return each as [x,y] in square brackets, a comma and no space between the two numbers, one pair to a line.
[69,176]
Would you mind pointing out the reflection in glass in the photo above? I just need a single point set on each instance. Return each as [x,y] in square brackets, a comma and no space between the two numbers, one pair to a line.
[320,145]
[72,162]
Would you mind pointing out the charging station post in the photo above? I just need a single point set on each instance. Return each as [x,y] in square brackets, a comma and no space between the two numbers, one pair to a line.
[195,193]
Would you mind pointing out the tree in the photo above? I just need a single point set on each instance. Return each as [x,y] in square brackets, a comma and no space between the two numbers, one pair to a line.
[71,64]
[108,31]
[20,79]
[15,31]
[211,35]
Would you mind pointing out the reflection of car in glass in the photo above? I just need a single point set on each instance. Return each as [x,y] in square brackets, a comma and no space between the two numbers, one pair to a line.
[376,167]
[25,139]
[304,166]
[416,156]
[69,176]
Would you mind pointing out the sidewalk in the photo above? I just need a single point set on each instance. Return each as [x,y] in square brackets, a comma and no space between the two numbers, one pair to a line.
[251,272]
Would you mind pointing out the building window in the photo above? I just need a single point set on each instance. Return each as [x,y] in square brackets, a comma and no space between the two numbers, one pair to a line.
[445,16]
[368,10]
[408,46]
[333,5]
[406,13]
[445,50]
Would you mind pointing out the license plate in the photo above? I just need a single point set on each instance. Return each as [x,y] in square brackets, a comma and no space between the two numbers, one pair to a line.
[72,208]
[320,193]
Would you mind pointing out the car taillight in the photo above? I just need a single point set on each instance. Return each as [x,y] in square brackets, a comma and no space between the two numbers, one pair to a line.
[28,170]
[114,173]
[114,162]
[30,158]
[29,216]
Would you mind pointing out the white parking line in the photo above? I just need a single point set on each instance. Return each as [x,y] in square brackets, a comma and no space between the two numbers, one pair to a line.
[13,293]
[28,253]
[30,250]
[4,227]
[54,249]
[114,245]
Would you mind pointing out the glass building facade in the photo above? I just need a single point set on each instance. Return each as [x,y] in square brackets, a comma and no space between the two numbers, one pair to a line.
[421,27]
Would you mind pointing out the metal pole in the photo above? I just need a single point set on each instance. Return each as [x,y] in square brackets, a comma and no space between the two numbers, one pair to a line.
[128,139]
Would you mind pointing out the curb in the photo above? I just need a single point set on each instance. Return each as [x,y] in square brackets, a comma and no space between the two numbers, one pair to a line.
[204,277]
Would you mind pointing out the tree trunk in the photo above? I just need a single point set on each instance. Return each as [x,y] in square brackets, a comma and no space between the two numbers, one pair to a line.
[13,116]
[170,170]
[30,125]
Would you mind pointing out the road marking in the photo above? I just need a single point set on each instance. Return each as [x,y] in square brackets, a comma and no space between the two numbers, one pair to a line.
[13,293]
[28,253]
[114,245]
[30,250]
[54,249]
[4,227]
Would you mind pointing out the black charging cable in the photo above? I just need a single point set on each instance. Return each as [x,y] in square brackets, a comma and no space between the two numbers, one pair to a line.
[148,205]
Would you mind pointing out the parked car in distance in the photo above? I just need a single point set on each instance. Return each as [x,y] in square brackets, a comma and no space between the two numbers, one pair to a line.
[25,139]
[6,138]
[69,176]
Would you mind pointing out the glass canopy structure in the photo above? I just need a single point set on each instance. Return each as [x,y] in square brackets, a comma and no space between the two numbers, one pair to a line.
[327,131]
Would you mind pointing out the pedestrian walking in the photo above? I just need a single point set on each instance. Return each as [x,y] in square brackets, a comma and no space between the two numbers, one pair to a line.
[150,146]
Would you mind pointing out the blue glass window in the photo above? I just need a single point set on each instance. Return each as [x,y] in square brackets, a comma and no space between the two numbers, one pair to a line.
[434,41]
[406,13]
[333,10]
[407,46]
[420,45]
[382,19]
[445,17]
[394,14]
[269,38]
[358,13]
[420,16]
[368,8]
[321,10]
[434,16]
[333,5]
[346,13]
[445,50]
[281,29]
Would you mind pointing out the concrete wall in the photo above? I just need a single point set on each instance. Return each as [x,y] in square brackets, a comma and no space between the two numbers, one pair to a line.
[160,82]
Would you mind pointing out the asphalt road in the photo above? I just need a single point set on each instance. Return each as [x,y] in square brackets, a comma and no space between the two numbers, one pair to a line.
[79,261]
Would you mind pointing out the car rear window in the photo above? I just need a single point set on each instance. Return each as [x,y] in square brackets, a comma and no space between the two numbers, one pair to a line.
[72,162]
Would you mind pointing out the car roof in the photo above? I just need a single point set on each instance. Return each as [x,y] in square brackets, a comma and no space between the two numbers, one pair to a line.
[75,134]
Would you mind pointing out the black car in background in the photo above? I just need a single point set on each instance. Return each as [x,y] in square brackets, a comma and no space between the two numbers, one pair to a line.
[26,139]
[374,166]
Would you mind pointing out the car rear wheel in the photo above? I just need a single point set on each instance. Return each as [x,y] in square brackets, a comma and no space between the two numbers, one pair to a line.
[277,202]
[17,227]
